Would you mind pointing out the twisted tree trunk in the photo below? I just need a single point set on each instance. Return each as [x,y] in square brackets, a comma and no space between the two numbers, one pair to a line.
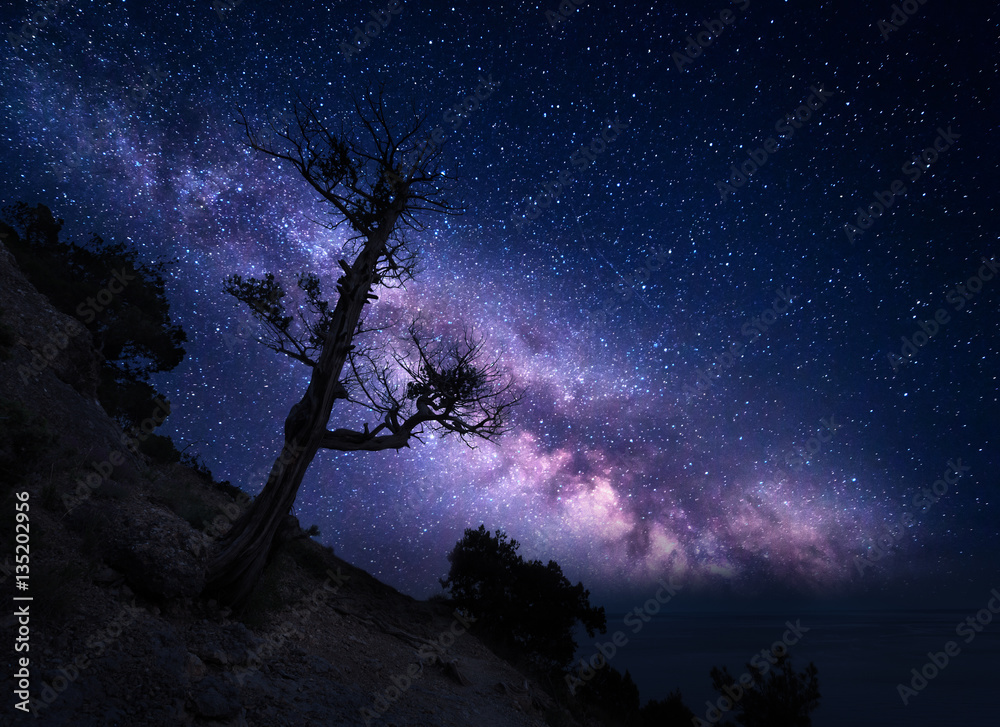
[241,555]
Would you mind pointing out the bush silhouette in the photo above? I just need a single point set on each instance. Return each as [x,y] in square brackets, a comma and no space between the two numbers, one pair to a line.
[784,698]
[670,712]
[528,609]
[131,328]
[609,697]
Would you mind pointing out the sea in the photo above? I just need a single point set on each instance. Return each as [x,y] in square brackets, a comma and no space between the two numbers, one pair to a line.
[861,657]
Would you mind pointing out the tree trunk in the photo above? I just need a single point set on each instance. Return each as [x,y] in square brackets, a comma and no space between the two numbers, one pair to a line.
[245,549]
[241,555]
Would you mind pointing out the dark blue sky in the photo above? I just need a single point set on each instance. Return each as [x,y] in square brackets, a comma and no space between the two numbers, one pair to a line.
[612,301]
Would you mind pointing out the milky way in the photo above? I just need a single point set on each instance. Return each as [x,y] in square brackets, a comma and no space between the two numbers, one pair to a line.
[652,268]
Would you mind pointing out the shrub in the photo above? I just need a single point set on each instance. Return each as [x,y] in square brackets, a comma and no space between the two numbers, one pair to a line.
[526,608]
[611,696]
[670,712]
[133,331]
[160,449]
[783,699]
[230,489]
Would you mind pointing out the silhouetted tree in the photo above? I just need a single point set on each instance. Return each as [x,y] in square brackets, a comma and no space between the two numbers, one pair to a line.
[669,712]
[612,696]
[121,302]
[782,697]
[449,386]
[528,607]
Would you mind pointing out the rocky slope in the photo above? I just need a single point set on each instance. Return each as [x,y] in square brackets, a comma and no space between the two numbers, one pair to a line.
[117,632]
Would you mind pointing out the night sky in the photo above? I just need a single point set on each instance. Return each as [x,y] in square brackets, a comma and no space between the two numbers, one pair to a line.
[658,260]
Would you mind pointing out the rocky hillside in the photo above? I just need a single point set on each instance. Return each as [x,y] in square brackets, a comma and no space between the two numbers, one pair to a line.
[116,630]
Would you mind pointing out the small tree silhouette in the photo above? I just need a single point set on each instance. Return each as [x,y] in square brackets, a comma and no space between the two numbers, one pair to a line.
[783,699]
[611,697]
[131,328]
[528,608]
[669,712]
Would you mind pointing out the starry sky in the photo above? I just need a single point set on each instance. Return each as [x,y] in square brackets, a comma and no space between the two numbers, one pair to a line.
[718,215]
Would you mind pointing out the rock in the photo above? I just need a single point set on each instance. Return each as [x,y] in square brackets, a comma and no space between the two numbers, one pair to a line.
[168,652]
[150,570]
[317,664]
[542,702]
[108,577]
[215,699]
[452,670]
[212,654]
[194,667]
[224,645]
[53,369]
[150,550]
[47,338]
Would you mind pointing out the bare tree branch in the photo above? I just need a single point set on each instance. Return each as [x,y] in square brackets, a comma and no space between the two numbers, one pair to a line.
[451,385]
